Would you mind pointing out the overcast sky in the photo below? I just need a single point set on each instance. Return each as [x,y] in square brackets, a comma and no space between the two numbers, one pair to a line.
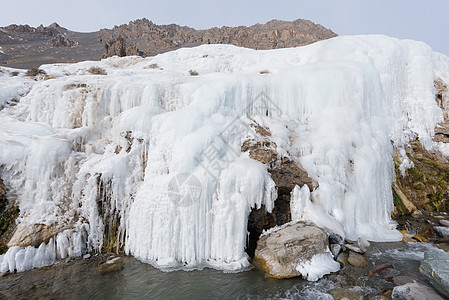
[425,20]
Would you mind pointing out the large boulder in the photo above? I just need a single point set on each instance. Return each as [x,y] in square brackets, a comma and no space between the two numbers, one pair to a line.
[435,267]
[294,250]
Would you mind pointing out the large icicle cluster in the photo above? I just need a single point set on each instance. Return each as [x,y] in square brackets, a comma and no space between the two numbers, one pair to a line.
[87,153]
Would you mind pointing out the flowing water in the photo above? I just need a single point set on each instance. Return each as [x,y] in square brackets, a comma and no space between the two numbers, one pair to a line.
[80,279]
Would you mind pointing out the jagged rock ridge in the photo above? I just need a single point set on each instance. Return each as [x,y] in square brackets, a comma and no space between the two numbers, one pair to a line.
[23,46]
[152,39]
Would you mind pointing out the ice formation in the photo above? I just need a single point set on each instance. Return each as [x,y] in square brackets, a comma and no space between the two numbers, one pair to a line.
[320,265]
[155,152]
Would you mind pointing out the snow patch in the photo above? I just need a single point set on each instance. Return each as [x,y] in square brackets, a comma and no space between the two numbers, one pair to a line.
[320,265]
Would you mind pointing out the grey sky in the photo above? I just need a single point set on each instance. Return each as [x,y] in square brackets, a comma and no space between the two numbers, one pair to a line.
[424,20]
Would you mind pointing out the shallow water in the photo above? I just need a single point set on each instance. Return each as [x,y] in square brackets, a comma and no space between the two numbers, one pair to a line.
[78,279]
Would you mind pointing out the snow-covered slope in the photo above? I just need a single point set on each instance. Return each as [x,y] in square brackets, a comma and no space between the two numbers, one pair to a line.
[85,152]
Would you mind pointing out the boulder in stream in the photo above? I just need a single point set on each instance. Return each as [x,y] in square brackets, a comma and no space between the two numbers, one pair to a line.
[299,249]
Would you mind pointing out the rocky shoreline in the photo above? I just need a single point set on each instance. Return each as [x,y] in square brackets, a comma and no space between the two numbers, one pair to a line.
[382,272]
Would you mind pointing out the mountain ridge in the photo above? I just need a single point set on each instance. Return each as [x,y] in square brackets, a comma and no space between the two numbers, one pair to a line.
[23,46]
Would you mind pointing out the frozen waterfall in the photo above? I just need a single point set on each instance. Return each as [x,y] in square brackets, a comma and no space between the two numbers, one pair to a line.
[155,152]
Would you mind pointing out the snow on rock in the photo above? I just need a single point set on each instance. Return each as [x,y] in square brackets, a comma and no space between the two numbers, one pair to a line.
[154,152]
[320,265]
[296,249]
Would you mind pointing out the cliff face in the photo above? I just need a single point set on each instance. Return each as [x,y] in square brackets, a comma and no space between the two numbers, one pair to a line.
[152,39]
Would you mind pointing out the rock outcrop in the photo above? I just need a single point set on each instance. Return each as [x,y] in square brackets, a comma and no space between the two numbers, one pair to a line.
[61,41]
[281,253]
[121,47]
[435,267]
[425,185]
[154,39]
[34,235]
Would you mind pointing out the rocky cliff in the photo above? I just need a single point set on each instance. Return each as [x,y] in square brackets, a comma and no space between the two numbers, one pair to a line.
[23,46]
[152,39]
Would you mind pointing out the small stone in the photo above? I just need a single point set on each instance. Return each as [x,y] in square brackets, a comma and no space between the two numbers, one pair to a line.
[419,238]
[356,259]
[335,239]
[112,265]
[414,291]
[335,249]
[352,293]
[87,256]
[354,248]
[444,222]
[363,244]
[342,258]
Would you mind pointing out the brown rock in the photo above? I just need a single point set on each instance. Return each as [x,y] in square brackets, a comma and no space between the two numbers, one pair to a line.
[33,235]
[379,269]
[356,260]
[160,38]
[351,293]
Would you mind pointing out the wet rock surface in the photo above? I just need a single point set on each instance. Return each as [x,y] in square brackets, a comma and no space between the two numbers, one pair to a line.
[415,291]
[435,267]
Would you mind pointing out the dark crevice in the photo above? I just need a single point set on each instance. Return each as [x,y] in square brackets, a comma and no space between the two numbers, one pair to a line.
[260,220]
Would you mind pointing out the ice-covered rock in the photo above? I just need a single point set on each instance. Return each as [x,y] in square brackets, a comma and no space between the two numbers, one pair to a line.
[363,244]
[435,267]
[296,249]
